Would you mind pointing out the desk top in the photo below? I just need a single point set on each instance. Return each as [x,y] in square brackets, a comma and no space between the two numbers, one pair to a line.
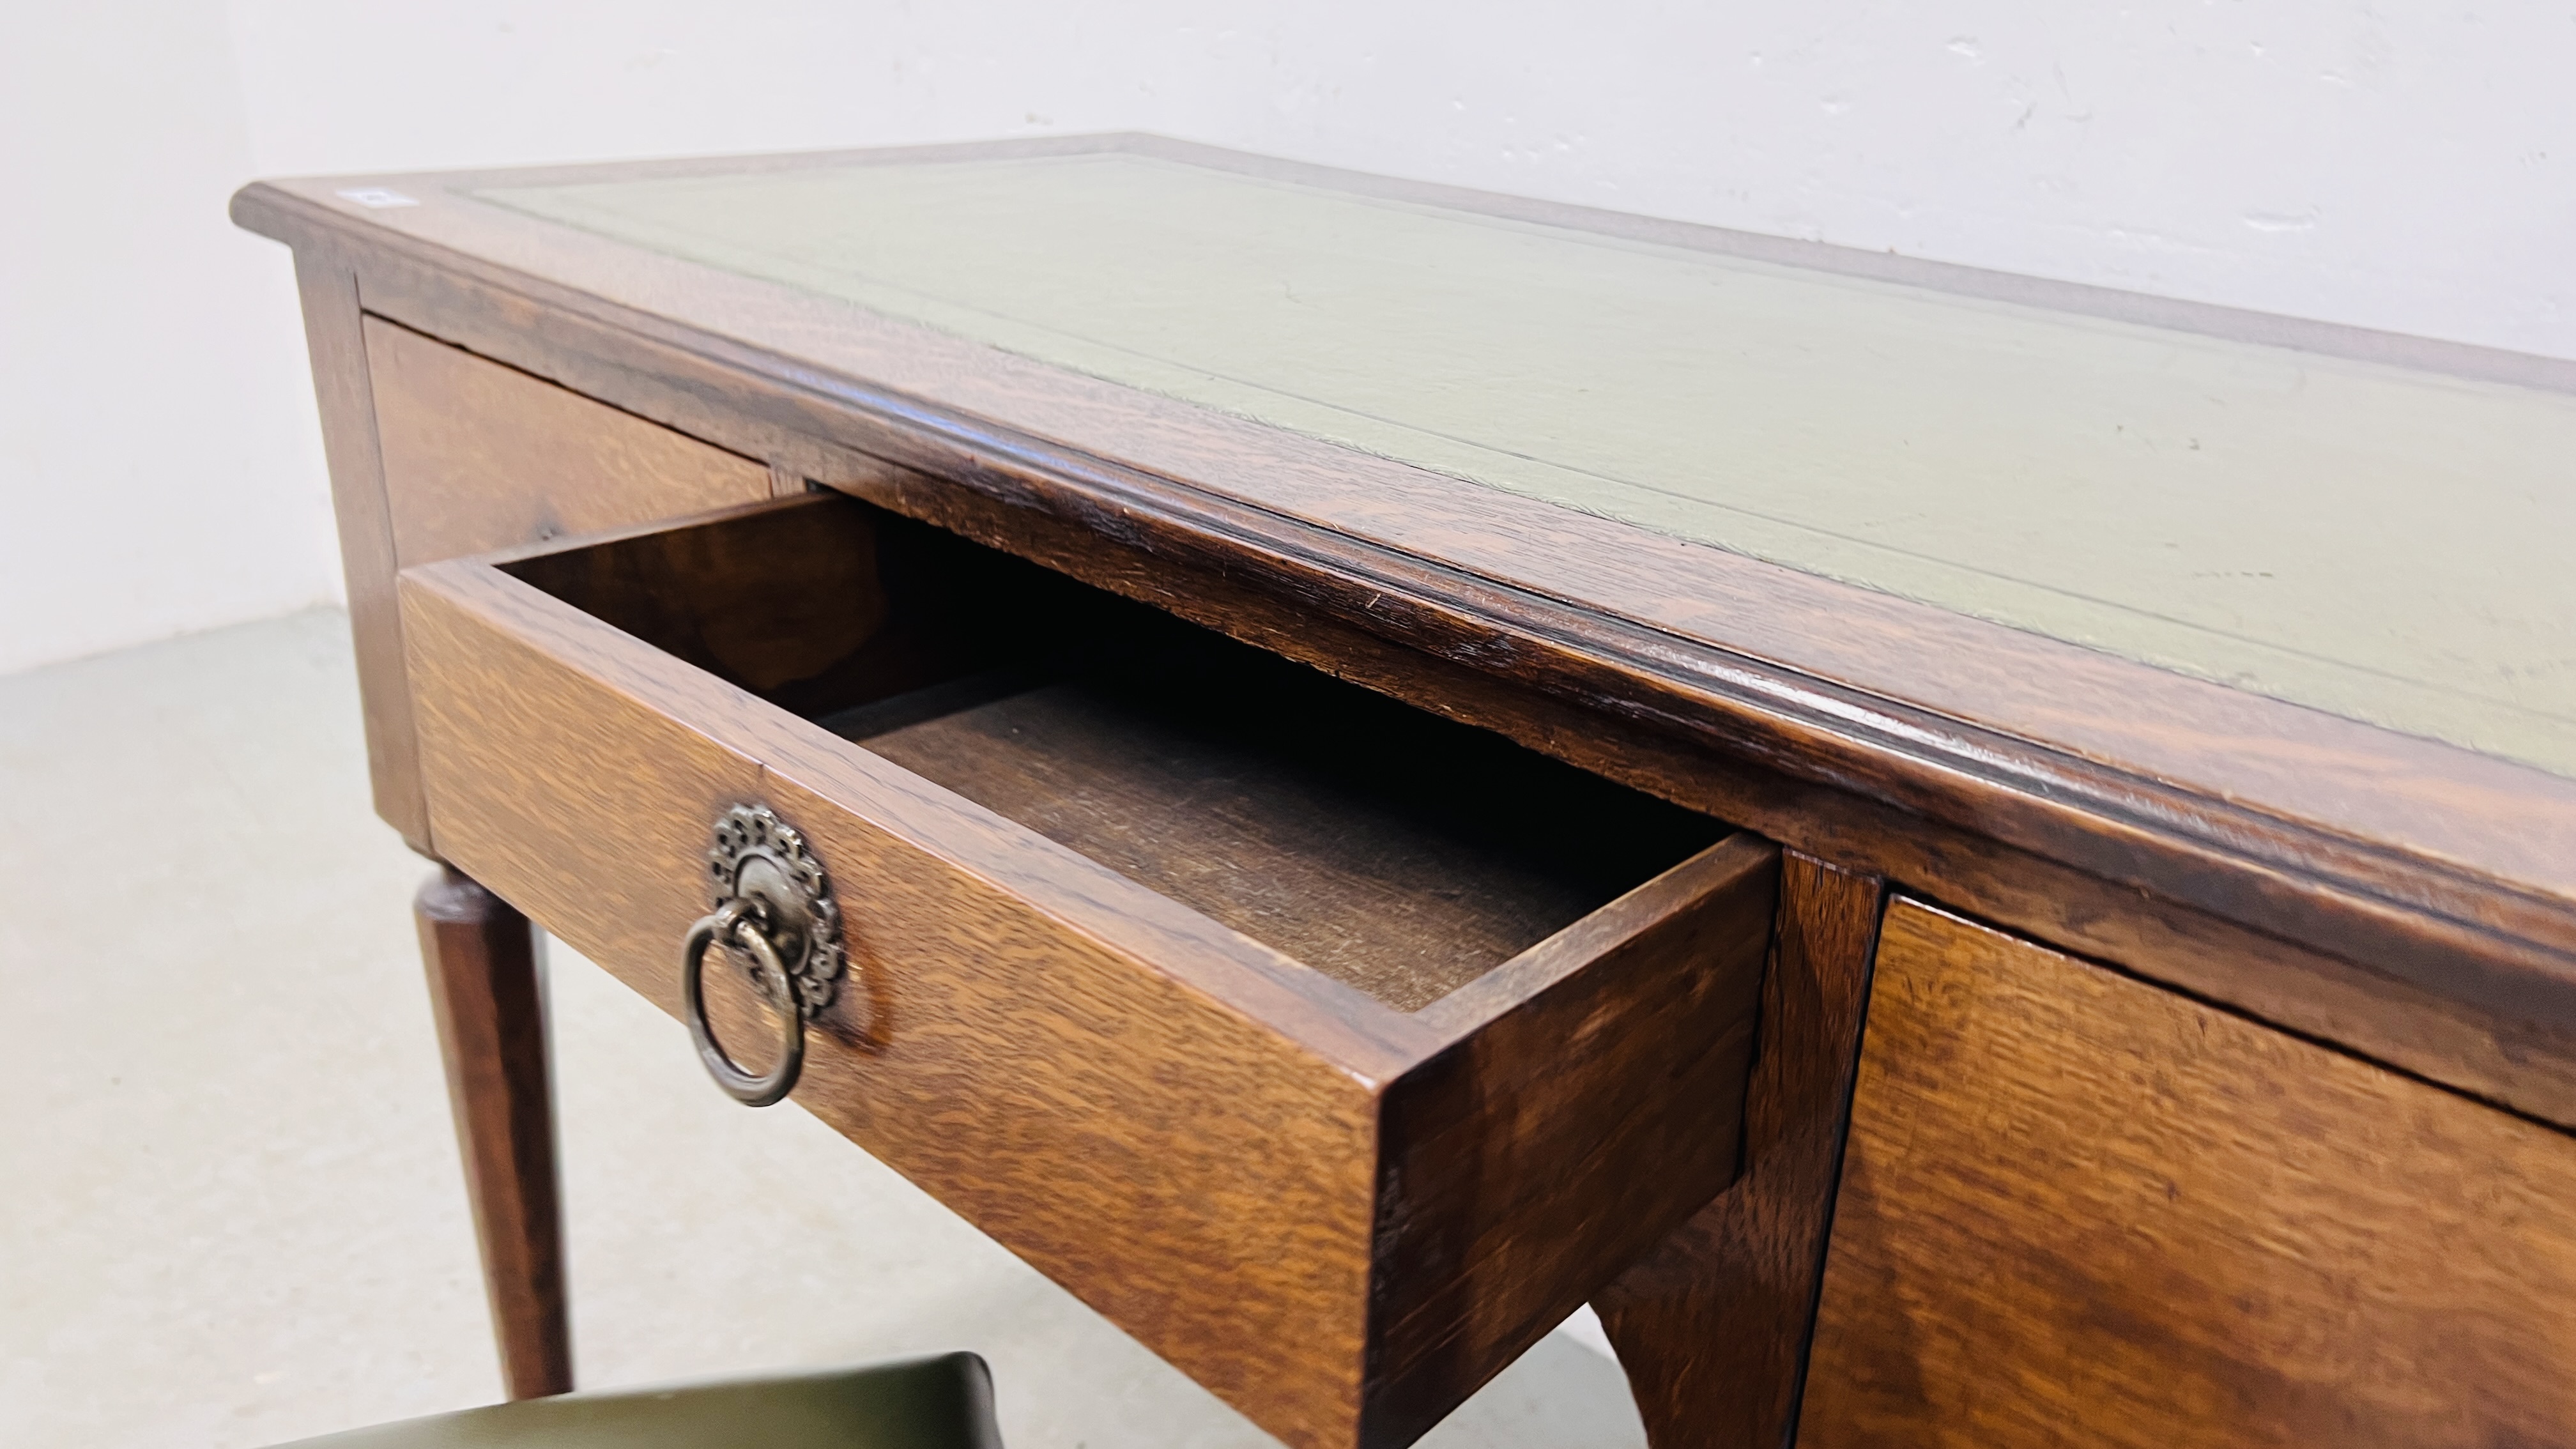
[2259,615]
[2381,543]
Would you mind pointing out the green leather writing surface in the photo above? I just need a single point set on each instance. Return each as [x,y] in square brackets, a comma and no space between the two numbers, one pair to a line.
[2384,544]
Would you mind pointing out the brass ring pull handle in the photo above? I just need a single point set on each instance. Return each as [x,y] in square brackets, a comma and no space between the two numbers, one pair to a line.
[735,925]
[774,905]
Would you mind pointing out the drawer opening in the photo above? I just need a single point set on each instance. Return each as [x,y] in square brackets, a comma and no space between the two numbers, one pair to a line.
[1397,851]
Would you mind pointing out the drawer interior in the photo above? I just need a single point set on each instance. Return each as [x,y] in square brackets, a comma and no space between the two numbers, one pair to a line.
[1394,850]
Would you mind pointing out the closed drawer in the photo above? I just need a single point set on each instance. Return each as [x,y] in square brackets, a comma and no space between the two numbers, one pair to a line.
[479,456]
[2080,1209]
[1333,1050]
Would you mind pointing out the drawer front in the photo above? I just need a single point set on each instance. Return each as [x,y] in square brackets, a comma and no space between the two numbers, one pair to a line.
[2078,1209]
[1340,1216]
[479,456]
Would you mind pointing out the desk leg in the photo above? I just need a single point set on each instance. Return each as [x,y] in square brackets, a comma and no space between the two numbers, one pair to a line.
[482,959]
[1712,1326]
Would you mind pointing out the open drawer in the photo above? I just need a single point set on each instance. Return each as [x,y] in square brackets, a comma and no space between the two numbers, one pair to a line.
[1334,1050]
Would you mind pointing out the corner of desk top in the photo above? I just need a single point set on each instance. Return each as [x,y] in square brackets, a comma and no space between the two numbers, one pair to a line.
[301,211]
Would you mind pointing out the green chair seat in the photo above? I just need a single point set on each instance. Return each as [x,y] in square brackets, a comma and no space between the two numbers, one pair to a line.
[924,1403]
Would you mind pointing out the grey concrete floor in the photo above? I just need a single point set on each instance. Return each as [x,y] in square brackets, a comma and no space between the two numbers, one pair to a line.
[230,1211]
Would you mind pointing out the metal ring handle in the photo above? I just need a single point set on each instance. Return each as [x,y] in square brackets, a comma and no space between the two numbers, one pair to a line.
[733,921]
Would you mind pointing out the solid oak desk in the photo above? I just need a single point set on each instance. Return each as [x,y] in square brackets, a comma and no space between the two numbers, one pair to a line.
[1374,749]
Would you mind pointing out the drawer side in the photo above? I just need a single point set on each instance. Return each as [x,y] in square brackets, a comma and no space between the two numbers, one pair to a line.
[1595,1102]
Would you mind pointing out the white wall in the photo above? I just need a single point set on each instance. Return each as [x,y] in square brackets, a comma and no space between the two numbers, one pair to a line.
[2407,169]
[160,469]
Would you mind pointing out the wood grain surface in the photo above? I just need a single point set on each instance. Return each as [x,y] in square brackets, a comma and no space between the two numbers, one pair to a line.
[2077,1209]
[479,456]
[328,286]
[1387,848]
[1713,1324]
[1187,1128]
[490,1006]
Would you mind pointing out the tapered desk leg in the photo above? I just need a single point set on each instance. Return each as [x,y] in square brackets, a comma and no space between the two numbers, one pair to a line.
[1712,1326]
[482,959]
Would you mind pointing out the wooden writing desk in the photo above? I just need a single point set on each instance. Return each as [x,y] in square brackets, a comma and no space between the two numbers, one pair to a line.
[1973,860]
